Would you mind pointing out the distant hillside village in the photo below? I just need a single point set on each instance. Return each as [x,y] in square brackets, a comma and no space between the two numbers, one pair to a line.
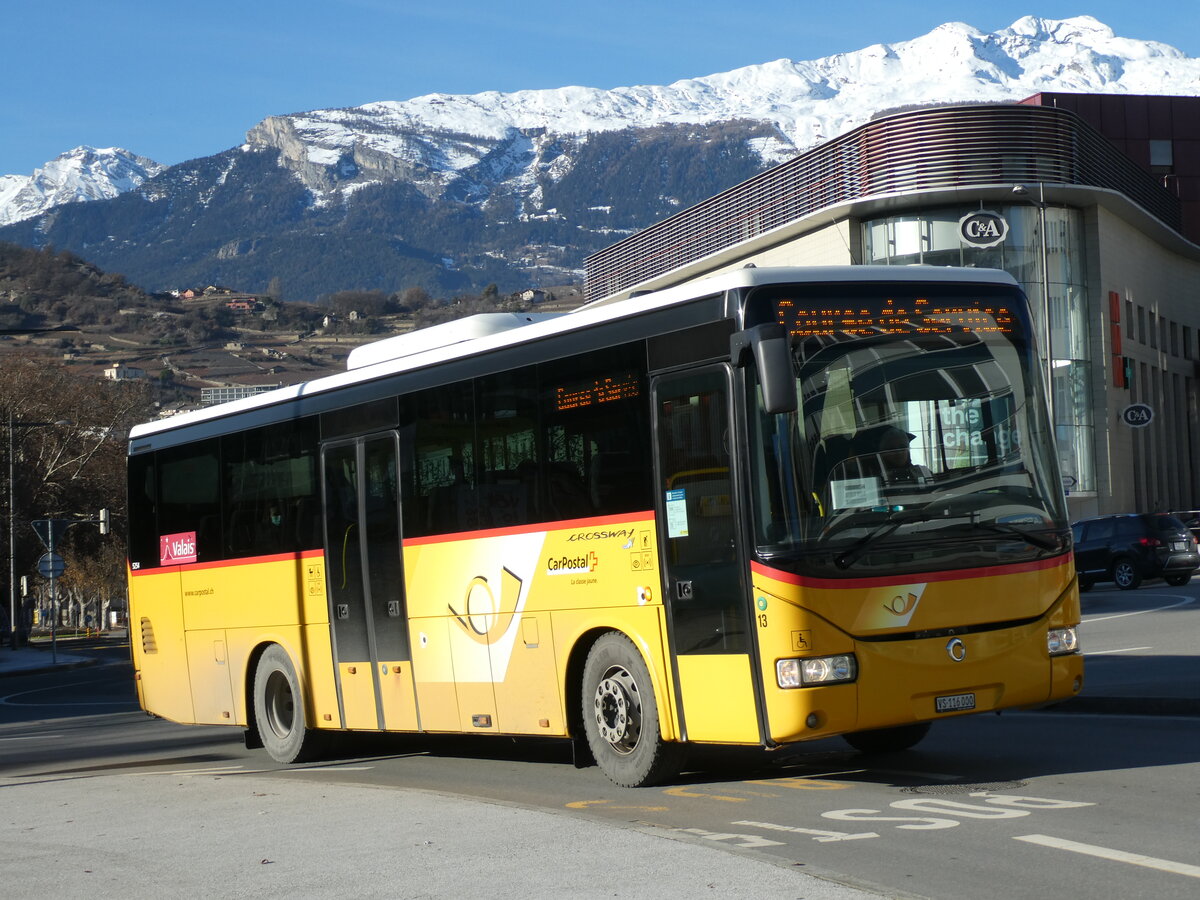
[259,356]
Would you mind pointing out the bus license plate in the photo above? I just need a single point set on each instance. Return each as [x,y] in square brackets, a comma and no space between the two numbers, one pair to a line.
[954,703]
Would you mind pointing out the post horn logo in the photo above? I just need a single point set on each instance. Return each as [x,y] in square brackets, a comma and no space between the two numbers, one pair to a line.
[483,617]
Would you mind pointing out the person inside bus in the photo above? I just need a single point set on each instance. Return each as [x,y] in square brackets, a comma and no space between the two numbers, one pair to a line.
[883,452]
[271,534]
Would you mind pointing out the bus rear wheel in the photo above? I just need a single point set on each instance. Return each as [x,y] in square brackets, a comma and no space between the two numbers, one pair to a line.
[620,715]
[279,708]
[887,740]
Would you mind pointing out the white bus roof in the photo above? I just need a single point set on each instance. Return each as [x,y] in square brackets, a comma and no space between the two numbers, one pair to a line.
[491,331]
[435,336]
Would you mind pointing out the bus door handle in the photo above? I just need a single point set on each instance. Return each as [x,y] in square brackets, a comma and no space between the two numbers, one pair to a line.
[683,590]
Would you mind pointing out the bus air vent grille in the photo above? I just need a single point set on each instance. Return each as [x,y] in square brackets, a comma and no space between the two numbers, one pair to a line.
[148,643]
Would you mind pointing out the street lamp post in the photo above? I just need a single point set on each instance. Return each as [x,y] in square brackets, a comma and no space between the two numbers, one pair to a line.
[1044,260]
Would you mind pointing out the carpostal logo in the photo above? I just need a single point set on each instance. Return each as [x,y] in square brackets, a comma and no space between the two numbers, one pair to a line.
[572,565]
[174,549]
[601,534]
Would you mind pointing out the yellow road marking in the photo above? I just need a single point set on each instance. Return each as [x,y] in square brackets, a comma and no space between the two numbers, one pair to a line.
[584,804]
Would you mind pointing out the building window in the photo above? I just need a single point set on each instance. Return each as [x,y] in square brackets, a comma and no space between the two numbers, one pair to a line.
[1162,157]
[1129,319]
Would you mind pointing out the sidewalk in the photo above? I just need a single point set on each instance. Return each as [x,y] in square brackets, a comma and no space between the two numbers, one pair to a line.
[37,658]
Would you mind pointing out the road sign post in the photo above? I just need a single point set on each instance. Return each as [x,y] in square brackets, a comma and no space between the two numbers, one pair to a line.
[51,565]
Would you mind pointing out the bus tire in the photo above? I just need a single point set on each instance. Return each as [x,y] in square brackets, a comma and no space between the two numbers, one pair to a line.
[887,740]
[279,708]
[620,715]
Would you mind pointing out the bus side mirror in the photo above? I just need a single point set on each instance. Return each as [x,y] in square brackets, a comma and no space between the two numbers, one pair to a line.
[770,345]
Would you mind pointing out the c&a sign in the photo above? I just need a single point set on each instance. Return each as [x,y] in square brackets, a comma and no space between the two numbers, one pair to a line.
[982,228]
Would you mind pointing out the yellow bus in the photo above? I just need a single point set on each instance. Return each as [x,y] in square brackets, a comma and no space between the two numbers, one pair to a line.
[771,506]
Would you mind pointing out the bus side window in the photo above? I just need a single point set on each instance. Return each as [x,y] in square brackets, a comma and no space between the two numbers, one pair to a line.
[189,489]
[143,512]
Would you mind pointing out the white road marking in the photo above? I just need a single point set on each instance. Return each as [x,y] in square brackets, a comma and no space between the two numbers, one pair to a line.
[1137,859]
[1138,612]
[745,841]
[1121,650]
[28,737]
[815,834]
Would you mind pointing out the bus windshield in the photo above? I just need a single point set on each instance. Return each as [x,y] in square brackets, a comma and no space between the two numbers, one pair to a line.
[921,440]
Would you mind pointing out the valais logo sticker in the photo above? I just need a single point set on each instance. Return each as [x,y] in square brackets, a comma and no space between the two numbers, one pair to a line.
[174,549]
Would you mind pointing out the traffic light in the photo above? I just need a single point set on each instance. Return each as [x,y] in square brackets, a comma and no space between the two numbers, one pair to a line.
[104,521]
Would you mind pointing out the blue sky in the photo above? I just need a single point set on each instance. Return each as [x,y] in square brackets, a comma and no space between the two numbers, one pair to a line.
[175,81]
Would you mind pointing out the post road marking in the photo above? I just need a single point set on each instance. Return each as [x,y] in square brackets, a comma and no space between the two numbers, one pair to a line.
[745,841]
[1137,859]
[585,804]
[815,833]
[680,792]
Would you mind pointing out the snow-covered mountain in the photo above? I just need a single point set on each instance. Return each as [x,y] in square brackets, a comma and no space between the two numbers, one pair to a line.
[84,173]
[436,139]
[453,192]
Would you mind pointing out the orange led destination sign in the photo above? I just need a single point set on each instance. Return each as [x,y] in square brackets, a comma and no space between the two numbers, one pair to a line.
[600,390]
[916,315]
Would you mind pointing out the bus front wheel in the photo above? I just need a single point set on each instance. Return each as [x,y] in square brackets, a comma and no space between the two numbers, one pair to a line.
[620,715]
[887,740]
[279,708]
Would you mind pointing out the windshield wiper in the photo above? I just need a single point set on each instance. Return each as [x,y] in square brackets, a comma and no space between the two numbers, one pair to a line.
[1030,537]
[850,555]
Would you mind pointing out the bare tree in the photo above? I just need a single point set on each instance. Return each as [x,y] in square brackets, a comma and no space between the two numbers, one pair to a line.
[67,443]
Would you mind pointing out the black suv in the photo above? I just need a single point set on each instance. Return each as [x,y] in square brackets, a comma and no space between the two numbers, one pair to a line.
[1127,548]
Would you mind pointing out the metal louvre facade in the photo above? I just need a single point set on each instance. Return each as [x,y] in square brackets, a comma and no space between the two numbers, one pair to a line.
[948,147]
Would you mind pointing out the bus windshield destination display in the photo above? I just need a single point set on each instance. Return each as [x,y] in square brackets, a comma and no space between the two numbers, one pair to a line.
[891,316]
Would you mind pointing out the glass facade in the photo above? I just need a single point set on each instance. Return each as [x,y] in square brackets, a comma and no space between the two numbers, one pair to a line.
[1036,257]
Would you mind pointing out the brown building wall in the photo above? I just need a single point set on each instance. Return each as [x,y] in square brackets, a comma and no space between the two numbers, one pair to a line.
[1131,122]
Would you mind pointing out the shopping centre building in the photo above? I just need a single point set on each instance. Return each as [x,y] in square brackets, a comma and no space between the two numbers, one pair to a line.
[1092,202]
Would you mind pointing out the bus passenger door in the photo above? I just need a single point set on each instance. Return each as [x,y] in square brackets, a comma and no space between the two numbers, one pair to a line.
[363,566]
[703,562]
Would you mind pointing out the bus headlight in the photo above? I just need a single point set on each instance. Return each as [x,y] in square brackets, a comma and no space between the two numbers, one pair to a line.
[1062,641]
[794,673]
